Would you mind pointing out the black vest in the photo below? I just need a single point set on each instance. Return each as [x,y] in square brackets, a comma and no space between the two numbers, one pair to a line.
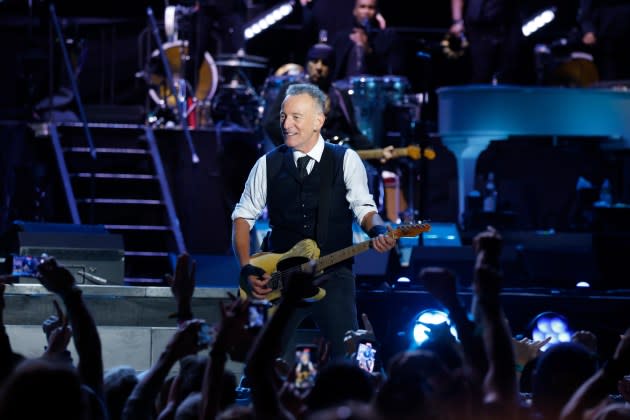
[293,205]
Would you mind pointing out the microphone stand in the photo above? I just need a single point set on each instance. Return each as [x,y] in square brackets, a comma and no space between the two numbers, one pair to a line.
[181,105]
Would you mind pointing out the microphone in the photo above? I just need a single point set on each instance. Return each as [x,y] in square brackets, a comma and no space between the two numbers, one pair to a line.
[93,278]
[366,25]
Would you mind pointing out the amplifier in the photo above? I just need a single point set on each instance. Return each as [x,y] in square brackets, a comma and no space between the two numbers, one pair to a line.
[93,257]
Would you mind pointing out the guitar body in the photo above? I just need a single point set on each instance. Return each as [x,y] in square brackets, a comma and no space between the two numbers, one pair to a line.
[274,264]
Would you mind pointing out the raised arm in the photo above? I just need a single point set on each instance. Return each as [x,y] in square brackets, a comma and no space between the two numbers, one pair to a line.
[7,357]
[597,386]
[231,337]
[140,404]
[441,283]
[500,390]
[260,365]
[86,339]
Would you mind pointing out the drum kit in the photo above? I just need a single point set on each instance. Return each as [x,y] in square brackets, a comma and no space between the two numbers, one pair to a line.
[379,102]
[221,89]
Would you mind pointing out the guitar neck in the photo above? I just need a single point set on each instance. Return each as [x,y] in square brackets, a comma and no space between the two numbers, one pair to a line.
[338,256]
[378,153]
[346,253]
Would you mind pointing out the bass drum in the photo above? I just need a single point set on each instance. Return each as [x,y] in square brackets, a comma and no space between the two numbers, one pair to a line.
[177,57]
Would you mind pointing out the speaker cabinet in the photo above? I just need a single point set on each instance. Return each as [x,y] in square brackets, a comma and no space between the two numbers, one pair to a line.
[79,248]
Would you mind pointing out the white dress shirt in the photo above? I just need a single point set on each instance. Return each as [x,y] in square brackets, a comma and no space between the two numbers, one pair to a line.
[254,198]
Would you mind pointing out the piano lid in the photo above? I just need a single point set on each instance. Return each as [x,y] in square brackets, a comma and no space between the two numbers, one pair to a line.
[507,110]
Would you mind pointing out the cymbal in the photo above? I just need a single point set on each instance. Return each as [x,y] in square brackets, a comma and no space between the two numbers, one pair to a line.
[238,62]
[289,69]
[242,56]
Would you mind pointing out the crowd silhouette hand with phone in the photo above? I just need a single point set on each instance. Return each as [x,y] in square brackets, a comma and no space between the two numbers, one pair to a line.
[353,337]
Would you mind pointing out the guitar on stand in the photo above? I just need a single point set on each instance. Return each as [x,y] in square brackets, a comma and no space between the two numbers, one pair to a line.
[395,202]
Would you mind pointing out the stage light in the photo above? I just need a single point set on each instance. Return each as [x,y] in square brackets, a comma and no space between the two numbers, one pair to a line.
[583,284]
[550,324]
[268,19]
[425,320]
[541,19]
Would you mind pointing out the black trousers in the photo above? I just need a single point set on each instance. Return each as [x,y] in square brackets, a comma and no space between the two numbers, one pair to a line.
[335,314]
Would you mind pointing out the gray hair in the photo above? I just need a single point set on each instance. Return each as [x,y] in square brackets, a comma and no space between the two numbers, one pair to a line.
[311,90]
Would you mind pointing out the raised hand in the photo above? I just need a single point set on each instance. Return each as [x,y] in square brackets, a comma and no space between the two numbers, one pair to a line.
[59,333]
[527,349]
[352,337]
[59,339]
[55,278]
[441,283]
[185,340]
[183,284]
[233,335]
[54,321]
[488,244]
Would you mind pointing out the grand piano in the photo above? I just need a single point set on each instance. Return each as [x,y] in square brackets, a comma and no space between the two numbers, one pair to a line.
[471,116]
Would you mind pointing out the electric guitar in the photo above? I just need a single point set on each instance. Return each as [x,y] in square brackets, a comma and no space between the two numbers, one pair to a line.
[298,258]
[413,152]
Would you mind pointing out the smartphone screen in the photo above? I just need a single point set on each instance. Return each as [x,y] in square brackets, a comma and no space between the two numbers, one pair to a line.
[258,310]
[24,266]
[366,356]
[204,337]
[305,366]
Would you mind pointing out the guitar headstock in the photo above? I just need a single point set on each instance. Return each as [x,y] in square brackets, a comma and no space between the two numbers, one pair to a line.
[414,152]
[409,230]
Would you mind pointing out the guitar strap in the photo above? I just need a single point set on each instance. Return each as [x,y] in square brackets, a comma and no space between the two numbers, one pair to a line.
[325,188]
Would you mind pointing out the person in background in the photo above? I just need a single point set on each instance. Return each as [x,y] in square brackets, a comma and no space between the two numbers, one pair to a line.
[493,31]
[605,26]
[368,47]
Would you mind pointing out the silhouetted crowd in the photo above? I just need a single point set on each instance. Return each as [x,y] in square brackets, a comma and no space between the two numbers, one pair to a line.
[483,373]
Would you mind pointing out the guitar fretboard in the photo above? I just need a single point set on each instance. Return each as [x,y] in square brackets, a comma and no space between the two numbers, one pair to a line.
[338,256]
[378,153]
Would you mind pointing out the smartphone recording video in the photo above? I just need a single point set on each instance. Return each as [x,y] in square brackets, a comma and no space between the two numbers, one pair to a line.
[366,356]
[204,338]
[25,266]
[305,366]
[258,313]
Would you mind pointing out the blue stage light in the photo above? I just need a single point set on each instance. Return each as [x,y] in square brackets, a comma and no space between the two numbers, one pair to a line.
[425,320]
[550,324]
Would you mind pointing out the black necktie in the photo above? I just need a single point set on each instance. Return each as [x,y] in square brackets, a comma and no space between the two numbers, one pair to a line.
[302,163]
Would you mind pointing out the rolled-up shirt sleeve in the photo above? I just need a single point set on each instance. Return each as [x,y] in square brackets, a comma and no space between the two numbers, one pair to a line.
[355,178]
[254,197]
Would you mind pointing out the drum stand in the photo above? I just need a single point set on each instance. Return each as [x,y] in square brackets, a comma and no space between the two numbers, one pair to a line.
[181,105]
[416,173]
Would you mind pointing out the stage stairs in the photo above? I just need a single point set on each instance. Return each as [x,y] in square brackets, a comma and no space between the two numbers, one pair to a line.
[122,186]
